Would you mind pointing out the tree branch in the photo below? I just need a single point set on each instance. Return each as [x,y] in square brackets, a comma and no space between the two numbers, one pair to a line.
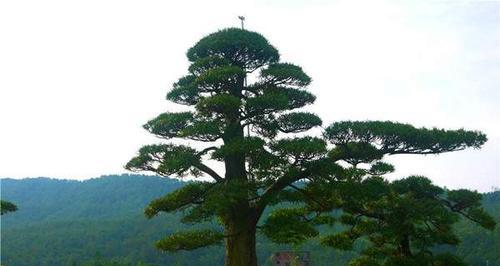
[454,208]
[308,196]
[202,152]
[277,186]
[202,167]
[409,151]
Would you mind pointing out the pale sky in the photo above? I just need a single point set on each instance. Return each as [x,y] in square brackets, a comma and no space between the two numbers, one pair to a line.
[78,79]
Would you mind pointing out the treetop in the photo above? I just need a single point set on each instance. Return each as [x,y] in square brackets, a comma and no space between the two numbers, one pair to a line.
[246,49]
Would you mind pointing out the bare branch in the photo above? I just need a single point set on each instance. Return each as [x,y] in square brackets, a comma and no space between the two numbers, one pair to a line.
[202,167]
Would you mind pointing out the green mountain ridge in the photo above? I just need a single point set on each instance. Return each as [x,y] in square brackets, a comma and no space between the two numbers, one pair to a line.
[66,222]
[48,200]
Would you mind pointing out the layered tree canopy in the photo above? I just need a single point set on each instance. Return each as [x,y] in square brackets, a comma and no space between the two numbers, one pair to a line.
[244,106]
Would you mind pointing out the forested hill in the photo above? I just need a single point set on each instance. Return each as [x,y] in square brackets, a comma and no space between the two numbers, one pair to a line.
[51,200]
[61,222]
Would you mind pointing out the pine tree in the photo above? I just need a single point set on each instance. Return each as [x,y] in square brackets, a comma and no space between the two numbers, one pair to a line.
[7,206]
[404,220]
[237,84]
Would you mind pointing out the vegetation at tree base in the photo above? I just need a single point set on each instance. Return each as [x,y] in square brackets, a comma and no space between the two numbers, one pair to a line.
[236,84]
[7,206]
[100,222]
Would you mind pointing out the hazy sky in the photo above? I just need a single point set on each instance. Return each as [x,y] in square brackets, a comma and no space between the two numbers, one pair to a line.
[79,78]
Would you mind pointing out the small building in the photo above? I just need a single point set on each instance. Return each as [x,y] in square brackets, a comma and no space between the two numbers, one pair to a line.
[291,258]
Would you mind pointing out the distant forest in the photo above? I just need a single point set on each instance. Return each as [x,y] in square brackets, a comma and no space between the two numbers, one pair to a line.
[100,222]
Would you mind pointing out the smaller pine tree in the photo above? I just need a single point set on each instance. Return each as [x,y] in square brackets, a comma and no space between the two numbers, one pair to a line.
[7,206]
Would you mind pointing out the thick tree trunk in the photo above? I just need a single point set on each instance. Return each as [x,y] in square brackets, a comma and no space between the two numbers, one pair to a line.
[240,223]
[240,244]
[405,246]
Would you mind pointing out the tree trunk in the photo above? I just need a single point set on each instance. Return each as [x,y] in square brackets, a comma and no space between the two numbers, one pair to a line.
[405,246]
[240,244]
[240,223]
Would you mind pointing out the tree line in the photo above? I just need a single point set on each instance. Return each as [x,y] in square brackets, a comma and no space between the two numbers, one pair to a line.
[80,233]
